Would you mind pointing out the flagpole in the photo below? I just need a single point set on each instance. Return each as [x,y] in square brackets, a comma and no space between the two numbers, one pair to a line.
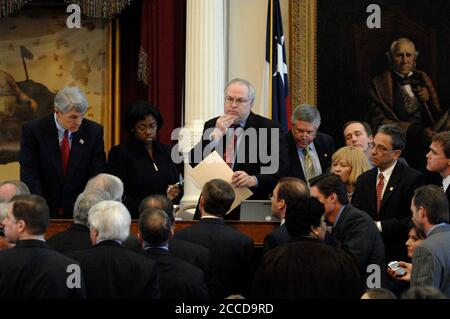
[269,102]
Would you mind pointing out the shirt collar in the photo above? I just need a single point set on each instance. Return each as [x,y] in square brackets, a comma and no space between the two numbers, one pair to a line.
[387,172]
[60,128]
[163,247]
[338,215]
[446,182]
[402,75]
[433,228]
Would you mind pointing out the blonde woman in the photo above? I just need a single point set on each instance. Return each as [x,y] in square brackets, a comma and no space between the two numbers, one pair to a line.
[348,163]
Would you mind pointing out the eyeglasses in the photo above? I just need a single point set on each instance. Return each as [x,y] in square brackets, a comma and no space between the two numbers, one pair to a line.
[379,148]
[238,101]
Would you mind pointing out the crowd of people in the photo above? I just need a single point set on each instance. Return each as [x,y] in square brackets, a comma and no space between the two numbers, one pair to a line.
[342,212]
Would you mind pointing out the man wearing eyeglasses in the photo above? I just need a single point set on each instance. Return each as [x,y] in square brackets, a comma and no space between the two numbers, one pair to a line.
[250,144]
[60,152]
[385,191]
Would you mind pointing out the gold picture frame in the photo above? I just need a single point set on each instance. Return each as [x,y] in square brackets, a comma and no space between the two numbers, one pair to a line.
[303,52]
[41,54]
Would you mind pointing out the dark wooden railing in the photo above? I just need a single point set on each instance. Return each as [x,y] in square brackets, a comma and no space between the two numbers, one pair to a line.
[255,230]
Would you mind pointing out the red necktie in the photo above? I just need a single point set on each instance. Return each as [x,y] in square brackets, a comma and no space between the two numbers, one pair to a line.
[228,155]
[380,186]
[65,151]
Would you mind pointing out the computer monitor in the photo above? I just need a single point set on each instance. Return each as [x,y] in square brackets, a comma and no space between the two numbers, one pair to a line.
[257,210]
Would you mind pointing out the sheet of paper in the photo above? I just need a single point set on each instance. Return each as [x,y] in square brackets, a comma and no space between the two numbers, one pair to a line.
[213,166]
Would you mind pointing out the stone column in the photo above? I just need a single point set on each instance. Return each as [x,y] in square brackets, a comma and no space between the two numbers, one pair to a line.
[205,76]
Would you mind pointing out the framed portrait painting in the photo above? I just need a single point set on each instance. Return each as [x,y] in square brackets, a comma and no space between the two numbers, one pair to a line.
[335,52]
[39,56]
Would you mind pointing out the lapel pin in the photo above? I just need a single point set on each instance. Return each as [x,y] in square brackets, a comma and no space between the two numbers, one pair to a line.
[391,189]
[326,155]
[81,141]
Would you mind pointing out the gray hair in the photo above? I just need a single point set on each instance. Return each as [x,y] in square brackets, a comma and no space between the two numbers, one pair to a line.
[111,219]
[71,97]
[307,113]
[4,210]
[400,40]
[21,189]
[85,201]
[111,184]
[250,87]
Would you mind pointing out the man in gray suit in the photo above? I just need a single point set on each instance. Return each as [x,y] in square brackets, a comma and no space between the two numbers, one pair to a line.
[431,259]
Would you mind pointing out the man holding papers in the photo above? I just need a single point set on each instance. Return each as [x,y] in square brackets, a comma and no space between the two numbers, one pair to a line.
[250,144]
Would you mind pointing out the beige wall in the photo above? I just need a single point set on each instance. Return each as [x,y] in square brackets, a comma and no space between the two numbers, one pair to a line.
[247,41]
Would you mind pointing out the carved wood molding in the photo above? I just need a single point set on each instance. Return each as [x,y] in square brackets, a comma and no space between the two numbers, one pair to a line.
[303,52]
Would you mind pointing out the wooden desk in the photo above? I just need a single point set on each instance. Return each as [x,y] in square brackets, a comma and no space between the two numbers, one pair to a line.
[255,230]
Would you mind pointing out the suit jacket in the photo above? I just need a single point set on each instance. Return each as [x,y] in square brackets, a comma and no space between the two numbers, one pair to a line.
[31,270]
[382,106]
[252,166]
[447,193]
[177,278]
[232,254]
[306,268]
[41,167]
[324,145]
[131,162]
[395,213]
[360,237]
[74,238]
[113,272]
[196,255]
[431,261]
[276,238]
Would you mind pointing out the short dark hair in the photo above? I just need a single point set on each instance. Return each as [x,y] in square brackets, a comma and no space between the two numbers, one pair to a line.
[291,188]
[330,183]
[433,199]
[302,214]
[138,111]
[396,133]
[155,226]
[443,138]
[419,232]
[218,196]
[158,201]
[21,188]
[366,126]
[33,210]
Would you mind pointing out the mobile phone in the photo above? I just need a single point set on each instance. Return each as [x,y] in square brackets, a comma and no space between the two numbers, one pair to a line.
[395,266]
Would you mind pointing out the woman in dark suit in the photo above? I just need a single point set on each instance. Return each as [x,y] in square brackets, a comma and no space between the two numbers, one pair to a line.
[141,162]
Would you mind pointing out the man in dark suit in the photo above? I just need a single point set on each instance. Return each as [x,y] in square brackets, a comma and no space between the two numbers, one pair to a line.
[31,270]
[287,190]
[353,228]
[438,159]
[76,237]
[252,145]
[232,251]
[309,151]
[111,271]
[194,254]
[61,151]
[385,191]
[177,278]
